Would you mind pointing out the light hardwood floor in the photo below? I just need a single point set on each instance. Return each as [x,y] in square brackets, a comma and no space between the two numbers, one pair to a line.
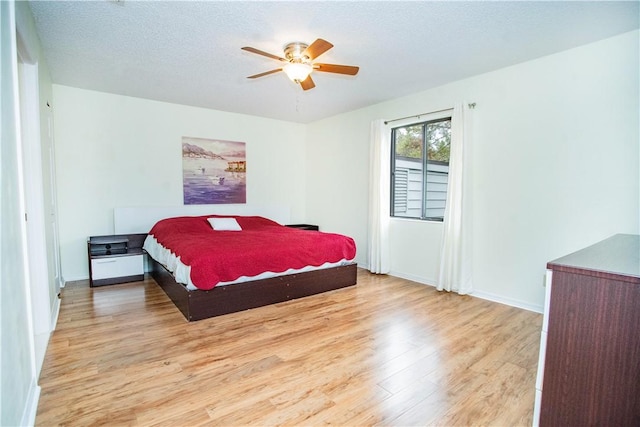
[385,352]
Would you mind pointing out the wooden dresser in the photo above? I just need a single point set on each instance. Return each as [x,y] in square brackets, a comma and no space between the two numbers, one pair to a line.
[589,370]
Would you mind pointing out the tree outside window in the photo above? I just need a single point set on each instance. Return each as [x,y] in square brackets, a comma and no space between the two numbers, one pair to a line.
[420,169]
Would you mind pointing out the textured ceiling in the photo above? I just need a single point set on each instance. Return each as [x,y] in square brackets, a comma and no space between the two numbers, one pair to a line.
[188,52]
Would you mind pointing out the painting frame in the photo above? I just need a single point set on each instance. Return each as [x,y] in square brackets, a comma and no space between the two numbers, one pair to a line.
[213,171]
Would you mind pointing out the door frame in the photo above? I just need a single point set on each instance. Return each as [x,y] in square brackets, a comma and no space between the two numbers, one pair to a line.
[33,193]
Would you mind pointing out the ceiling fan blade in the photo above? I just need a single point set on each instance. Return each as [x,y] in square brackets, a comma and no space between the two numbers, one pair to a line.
[263,53]
[307,83]
[334,68]
[317,48]
[266,73]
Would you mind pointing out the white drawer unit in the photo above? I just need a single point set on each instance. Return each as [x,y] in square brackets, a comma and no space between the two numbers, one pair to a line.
[119,266]
[116,259]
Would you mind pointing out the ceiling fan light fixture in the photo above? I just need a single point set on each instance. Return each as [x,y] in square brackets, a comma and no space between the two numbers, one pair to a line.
[297,71]
[298,62]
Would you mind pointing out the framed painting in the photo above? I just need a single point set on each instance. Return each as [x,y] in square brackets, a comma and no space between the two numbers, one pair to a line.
[213,171]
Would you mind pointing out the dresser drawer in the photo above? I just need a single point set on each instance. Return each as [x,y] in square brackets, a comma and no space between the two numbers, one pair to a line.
[121,266]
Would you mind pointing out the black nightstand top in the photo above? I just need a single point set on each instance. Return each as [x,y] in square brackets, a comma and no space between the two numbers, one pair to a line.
[304,226]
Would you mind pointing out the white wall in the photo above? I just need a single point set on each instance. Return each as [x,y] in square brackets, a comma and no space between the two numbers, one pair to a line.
[543,132]
[19,391]
[35,94]
[117,151]
[18,370]
[338,177]
[49,184]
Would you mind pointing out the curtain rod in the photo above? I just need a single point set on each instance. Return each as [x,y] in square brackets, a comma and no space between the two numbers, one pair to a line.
[471,105]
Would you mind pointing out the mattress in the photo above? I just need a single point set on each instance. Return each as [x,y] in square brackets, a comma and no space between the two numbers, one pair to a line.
[258,249]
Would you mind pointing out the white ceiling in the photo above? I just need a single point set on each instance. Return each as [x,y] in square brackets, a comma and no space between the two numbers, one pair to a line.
[188,52]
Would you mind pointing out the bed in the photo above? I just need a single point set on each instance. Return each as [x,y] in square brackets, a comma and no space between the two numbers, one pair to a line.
[210,265]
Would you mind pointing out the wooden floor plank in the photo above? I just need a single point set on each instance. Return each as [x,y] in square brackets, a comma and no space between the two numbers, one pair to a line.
[385,352]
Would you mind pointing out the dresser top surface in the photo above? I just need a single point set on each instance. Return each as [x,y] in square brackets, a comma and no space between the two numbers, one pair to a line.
[617,256]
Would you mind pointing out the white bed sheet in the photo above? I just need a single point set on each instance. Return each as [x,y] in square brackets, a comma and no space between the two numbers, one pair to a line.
[182,272]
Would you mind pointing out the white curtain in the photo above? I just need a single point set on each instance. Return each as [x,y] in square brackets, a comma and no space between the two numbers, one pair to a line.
[455,257]
[379,196]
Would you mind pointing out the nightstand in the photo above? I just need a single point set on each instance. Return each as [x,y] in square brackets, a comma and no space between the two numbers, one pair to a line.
[304,226]
[115,259]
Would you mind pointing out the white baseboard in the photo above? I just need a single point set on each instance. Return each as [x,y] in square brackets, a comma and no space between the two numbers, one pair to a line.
[422,280]
[362,264]
[508,301]
[55,313]
[31,407]
[478,294]
[75,279]
[41,342]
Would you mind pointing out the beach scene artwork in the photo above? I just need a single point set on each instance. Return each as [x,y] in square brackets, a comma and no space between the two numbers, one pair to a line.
[213,171]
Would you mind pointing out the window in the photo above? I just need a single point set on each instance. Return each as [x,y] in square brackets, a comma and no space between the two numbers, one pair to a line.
[420,169]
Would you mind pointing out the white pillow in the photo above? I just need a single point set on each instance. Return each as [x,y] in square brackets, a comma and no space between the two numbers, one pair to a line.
[224,224]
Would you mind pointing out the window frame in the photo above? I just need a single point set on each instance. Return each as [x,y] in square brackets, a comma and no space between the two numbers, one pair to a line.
[424,163]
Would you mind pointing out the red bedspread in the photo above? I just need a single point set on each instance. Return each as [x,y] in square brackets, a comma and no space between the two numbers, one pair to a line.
[262,245]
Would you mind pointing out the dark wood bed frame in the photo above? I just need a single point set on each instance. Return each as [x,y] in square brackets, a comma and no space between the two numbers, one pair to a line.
[198,304]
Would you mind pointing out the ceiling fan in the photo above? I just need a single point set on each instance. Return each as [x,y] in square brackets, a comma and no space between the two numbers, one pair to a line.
[298,59]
